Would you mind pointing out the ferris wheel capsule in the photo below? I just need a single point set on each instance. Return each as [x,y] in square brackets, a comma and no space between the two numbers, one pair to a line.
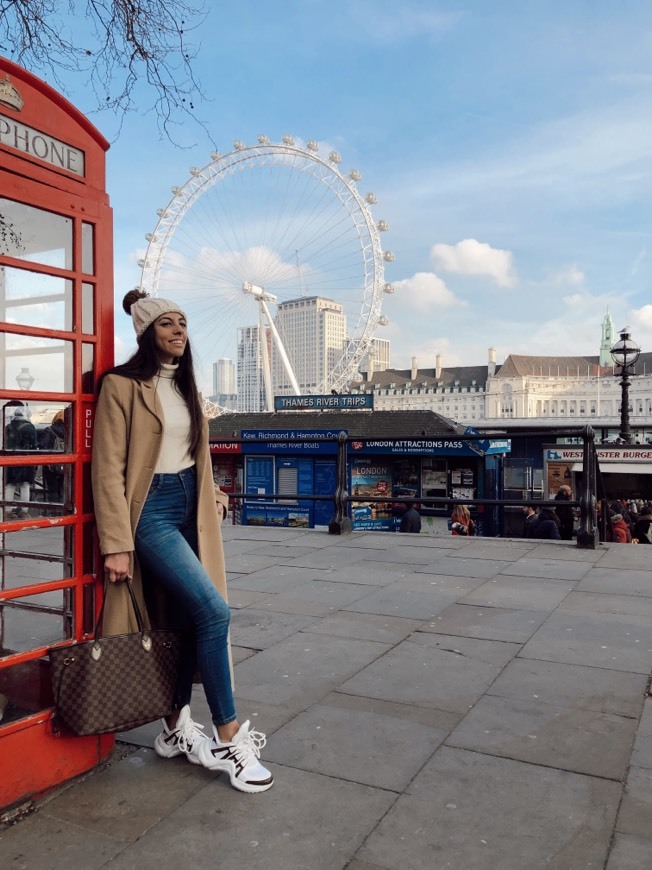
[175,190]
[389,288]
[354,175]
[215,155]
[288,140]
[370,198]
[194,170]
[334,157]
[160,212]
[389,256]
[239,145]
[383,226]
[383,321]
[263,140]
[312,145]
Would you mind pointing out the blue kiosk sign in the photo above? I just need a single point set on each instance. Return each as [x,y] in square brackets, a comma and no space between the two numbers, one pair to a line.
[430,446]
[280,441]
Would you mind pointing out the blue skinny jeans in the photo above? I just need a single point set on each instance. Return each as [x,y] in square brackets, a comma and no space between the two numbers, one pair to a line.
[167,551]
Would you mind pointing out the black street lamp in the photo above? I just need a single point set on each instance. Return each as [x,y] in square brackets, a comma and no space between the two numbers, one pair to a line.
[24,379]
[625,353]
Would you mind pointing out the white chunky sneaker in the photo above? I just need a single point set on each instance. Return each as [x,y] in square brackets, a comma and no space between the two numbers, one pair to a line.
[184,739]
[238,758]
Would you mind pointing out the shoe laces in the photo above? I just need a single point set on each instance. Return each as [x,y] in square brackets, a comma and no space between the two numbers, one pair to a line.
[251,742]
[187,734]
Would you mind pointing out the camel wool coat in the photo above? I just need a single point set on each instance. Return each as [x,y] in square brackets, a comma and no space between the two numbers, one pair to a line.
[127,436]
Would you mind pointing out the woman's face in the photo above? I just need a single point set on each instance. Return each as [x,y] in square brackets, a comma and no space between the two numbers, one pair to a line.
[170,336]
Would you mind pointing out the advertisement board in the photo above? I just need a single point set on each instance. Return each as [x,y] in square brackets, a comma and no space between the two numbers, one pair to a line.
[374,479]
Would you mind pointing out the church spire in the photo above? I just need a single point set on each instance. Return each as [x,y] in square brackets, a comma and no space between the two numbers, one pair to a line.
[608,338]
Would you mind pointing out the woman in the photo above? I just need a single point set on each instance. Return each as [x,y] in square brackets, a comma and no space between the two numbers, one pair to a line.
[157,509]
[461,522]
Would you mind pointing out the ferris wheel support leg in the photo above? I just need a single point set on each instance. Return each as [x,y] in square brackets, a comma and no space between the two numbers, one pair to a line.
[267,370]
[281,349]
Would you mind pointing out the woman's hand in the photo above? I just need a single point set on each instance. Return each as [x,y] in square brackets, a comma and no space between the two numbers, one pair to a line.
[116,567]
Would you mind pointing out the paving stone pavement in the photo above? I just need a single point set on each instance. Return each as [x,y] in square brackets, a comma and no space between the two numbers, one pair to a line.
[430,702]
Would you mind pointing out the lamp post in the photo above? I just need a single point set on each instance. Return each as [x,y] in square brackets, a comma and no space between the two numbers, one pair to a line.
[24,379]
[625,353]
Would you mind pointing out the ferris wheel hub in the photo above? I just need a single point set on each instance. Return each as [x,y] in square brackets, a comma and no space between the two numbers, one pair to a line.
[258,292]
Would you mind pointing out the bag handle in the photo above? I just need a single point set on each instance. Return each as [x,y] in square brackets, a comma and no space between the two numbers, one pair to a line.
[100,619]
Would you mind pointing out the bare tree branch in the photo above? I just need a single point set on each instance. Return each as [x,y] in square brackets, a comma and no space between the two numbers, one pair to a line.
[116,44]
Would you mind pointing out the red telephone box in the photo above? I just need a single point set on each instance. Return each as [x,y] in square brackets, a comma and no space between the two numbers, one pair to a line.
[56,334]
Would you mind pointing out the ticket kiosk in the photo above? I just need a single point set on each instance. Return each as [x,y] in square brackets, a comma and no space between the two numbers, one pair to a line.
[56,334]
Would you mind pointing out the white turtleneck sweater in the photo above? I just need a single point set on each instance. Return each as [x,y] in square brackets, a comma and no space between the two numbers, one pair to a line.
[174,455]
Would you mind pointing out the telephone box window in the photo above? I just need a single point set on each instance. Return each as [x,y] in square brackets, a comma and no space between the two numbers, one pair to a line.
[35,235]
[88,308]
[49,362]
[35,620]
[33,299]
[88,249]
[88,368]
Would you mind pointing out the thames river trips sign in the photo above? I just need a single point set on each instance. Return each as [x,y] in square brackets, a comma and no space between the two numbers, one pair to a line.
[364,402]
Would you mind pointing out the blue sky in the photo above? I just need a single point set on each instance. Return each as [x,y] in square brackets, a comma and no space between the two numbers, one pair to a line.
[509,145]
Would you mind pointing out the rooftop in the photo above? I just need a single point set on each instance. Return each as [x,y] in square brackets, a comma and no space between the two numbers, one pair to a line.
[364,424]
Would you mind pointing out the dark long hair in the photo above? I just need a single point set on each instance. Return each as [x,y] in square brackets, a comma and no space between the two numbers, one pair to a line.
[145,364]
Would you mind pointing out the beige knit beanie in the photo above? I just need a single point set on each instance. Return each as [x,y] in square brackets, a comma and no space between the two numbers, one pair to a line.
[145,309]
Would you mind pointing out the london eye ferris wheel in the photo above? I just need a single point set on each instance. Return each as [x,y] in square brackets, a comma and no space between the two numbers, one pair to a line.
[254,229]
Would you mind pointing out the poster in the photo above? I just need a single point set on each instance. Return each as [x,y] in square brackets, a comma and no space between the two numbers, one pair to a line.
[558,474]
[372,478]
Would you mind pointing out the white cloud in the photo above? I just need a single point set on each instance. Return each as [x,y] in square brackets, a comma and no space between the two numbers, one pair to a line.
[574,301]
[568,275]
[470,257]
[426,354]
[640,320]
[425,290]
[642,317]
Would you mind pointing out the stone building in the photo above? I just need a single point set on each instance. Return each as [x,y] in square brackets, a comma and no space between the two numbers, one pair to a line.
[572,388]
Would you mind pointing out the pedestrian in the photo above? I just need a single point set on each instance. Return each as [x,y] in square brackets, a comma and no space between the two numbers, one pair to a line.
[546,525]
[20,435]
[642,533]
[410,521]
[158,516]
[529,518]
[461,522]
[621,532]
[52,440]
[565,513]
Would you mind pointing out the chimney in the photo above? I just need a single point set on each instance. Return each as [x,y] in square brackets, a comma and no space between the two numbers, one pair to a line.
[438,366]
[491,368]
[413,372]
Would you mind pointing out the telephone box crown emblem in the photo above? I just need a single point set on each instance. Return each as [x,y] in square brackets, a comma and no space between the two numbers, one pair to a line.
[9,95]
